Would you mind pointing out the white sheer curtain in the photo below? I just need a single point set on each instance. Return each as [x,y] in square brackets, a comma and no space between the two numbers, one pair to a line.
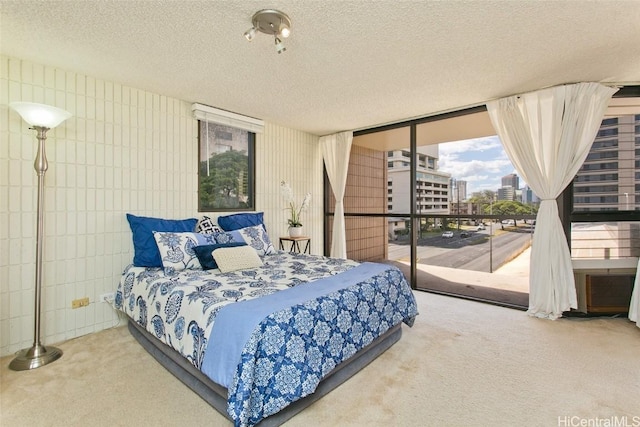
[634,307]
[335,151]
[547,135]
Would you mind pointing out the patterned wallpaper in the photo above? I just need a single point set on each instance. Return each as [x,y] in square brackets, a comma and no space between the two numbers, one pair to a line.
[124,150]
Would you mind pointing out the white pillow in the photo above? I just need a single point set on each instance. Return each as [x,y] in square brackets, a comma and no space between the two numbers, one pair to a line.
[256,237]
[176,249]
[236,258]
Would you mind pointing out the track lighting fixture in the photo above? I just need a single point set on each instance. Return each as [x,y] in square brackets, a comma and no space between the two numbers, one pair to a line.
[273,22]
[279,46]
[250,33]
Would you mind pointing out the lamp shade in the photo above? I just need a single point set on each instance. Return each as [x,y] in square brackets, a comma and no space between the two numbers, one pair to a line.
[40,114]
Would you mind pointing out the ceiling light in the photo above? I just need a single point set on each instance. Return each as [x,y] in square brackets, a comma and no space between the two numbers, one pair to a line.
[272,22]
[250,33]
[279,46]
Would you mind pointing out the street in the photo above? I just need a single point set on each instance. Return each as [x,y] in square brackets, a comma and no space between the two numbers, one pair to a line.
[470,253]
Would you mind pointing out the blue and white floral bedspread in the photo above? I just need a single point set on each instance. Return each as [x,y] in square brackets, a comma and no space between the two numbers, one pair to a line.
[292,349]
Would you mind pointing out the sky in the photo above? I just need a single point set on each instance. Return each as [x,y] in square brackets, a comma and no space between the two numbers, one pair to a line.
[482,162]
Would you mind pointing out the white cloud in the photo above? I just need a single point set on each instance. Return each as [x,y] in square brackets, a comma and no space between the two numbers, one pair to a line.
[470,145]
[458,168]
[482,162]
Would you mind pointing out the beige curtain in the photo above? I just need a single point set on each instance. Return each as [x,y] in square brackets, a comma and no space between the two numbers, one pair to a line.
[634,307]
[547,135]
[336,149]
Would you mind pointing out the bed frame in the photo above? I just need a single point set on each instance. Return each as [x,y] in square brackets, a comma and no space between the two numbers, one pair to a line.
[216,395]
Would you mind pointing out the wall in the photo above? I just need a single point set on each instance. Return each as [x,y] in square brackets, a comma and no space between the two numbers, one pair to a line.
[365,192]
[124,150]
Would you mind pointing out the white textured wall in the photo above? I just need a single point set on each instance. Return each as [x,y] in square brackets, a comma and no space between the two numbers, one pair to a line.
[124,150]
[288,155]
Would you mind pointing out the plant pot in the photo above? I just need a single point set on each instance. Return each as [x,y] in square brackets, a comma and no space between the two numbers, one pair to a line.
[295,231]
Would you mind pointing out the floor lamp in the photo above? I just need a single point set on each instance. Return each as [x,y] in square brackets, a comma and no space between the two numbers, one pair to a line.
[41,118]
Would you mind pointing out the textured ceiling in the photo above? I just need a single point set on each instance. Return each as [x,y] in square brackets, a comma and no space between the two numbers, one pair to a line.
[349,64]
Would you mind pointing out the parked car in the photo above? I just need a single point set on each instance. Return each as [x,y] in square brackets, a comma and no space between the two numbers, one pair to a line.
[465,234]
[480,227]
[447,234]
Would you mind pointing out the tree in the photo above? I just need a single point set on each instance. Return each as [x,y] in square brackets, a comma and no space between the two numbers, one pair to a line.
[483,200]
[225,184]
[509,207]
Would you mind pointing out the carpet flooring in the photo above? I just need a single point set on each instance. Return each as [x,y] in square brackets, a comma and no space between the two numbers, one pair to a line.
[463,363]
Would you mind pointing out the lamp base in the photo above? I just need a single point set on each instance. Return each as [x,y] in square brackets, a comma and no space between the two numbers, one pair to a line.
[34,357]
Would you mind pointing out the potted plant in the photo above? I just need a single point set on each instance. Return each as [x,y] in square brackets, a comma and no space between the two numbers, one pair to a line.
[295,211]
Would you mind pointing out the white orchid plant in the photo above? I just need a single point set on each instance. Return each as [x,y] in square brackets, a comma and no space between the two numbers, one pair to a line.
[294,210]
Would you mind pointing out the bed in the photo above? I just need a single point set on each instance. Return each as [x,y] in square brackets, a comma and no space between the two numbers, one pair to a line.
[261,342]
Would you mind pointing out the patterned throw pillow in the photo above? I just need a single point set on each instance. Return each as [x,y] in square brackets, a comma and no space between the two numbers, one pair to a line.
[208,226]
[176,249]
[238,258]
[258,239]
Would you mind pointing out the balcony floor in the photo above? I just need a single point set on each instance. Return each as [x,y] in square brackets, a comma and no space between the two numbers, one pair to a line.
[508,286]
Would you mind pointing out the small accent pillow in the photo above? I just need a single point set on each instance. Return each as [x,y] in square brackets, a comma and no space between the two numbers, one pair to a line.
[238,258]
[205,256]
[176,249]
[258,239]
[208,226]
[240,220]
[145,250]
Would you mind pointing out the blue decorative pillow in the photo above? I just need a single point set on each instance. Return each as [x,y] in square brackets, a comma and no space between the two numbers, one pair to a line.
[145,250]
[176,249]
[240,220]
[258,239]
[205,255]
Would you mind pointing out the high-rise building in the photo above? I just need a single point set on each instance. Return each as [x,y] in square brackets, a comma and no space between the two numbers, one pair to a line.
[507,193]
[528,196]
[511,180]
[609,179]
[432,186]
[458,190]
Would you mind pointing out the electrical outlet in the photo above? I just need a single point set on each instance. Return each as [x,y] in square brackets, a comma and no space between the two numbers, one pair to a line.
[108,297]
[81,302]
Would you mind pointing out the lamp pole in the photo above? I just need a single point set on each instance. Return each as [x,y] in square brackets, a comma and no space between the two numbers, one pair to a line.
[491,237]
[38,355]
[458,202]
[41,118]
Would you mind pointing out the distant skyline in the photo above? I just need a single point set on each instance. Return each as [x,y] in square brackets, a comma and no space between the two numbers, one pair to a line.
[482,162]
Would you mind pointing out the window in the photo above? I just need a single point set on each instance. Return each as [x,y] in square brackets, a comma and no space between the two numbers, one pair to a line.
[610,169]
[605,194]
[226,168]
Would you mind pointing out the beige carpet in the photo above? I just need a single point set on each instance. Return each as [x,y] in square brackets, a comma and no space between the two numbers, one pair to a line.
[463,364]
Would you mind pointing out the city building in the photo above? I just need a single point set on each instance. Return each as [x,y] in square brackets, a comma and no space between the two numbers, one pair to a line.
[510,188]
[511,180]
[458,190]
[528,196]
[432,186]
[608,181]
[507,193]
